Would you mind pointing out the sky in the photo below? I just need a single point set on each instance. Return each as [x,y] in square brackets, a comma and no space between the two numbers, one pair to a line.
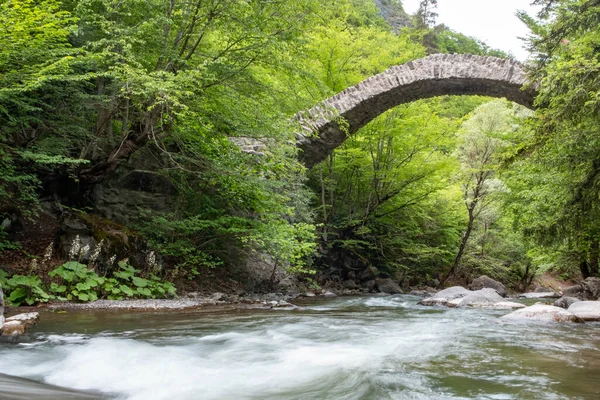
[492,21]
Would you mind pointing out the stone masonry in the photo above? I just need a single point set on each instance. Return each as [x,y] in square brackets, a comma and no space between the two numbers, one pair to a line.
[327,125]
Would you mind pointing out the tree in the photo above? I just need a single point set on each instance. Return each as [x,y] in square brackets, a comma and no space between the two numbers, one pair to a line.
[385,196]
[563,138]
[34,54]
[426,14]
[479,152]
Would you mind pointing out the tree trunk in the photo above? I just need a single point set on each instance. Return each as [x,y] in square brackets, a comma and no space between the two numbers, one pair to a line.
[100,170]
[594,253]
[273,275]
[463,243]
[585,271]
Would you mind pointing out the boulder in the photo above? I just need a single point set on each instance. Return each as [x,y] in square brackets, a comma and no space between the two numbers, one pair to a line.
[421,293]
[542,313]
[350,284]
[13,328]
[18,324]
[289,285]
[218,296]
[506,305]
[542,289]
[386,285]
[540,295]
[370,285]
[442,297]
[485,281]
[480,298]
[329,294]
[586,310]
[27,319]
[433,282]
[367,274]
[565,302]
[591,288]
[573,291]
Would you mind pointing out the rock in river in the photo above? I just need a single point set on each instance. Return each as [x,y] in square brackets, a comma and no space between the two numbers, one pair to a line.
[586,310]
[388,286]
[507,305]
[458,296]
[540,295]
[542,313]
[591,288]
[565,302]
[479,298]
[485,281]
[442,297]
[350,284]
[573,291]
[16,325]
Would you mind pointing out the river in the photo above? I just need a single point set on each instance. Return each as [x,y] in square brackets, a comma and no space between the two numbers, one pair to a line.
[341,348]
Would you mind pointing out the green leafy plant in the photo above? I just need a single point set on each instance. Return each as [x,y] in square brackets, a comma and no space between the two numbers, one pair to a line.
[25,289]
[81,283]
[78,282]
[126,282]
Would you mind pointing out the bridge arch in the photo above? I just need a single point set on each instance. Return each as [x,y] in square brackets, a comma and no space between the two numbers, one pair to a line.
[435,75]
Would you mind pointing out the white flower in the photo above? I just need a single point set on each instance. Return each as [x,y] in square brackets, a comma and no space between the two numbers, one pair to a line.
[84,250]
[48,254]
[151,262]
[96,253]
[75,247]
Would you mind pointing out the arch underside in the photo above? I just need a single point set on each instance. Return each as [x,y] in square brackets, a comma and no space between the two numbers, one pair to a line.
[360,104]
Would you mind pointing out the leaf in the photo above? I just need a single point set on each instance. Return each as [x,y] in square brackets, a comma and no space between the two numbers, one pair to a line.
[57,288]
[123,275]
[139,282]
[127,290]
[17,295]
[83,286]
[92,282]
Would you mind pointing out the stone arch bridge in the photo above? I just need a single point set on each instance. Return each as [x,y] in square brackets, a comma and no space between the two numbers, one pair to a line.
[328,125]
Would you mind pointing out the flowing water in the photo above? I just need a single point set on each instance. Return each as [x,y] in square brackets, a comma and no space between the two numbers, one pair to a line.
[344,348]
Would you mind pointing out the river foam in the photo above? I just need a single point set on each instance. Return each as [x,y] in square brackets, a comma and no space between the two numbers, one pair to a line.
[366,348]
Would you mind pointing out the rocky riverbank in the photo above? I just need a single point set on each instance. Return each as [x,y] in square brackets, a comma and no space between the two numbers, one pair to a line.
[581,302]
[580,305]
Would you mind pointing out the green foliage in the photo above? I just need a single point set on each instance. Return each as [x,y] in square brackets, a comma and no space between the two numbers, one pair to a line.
[385,194]
[451,42]
[24,289]
[88,85]
[290,245]
[125,283]
[6,243]
[74,281]
[78,282]
[554,177]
